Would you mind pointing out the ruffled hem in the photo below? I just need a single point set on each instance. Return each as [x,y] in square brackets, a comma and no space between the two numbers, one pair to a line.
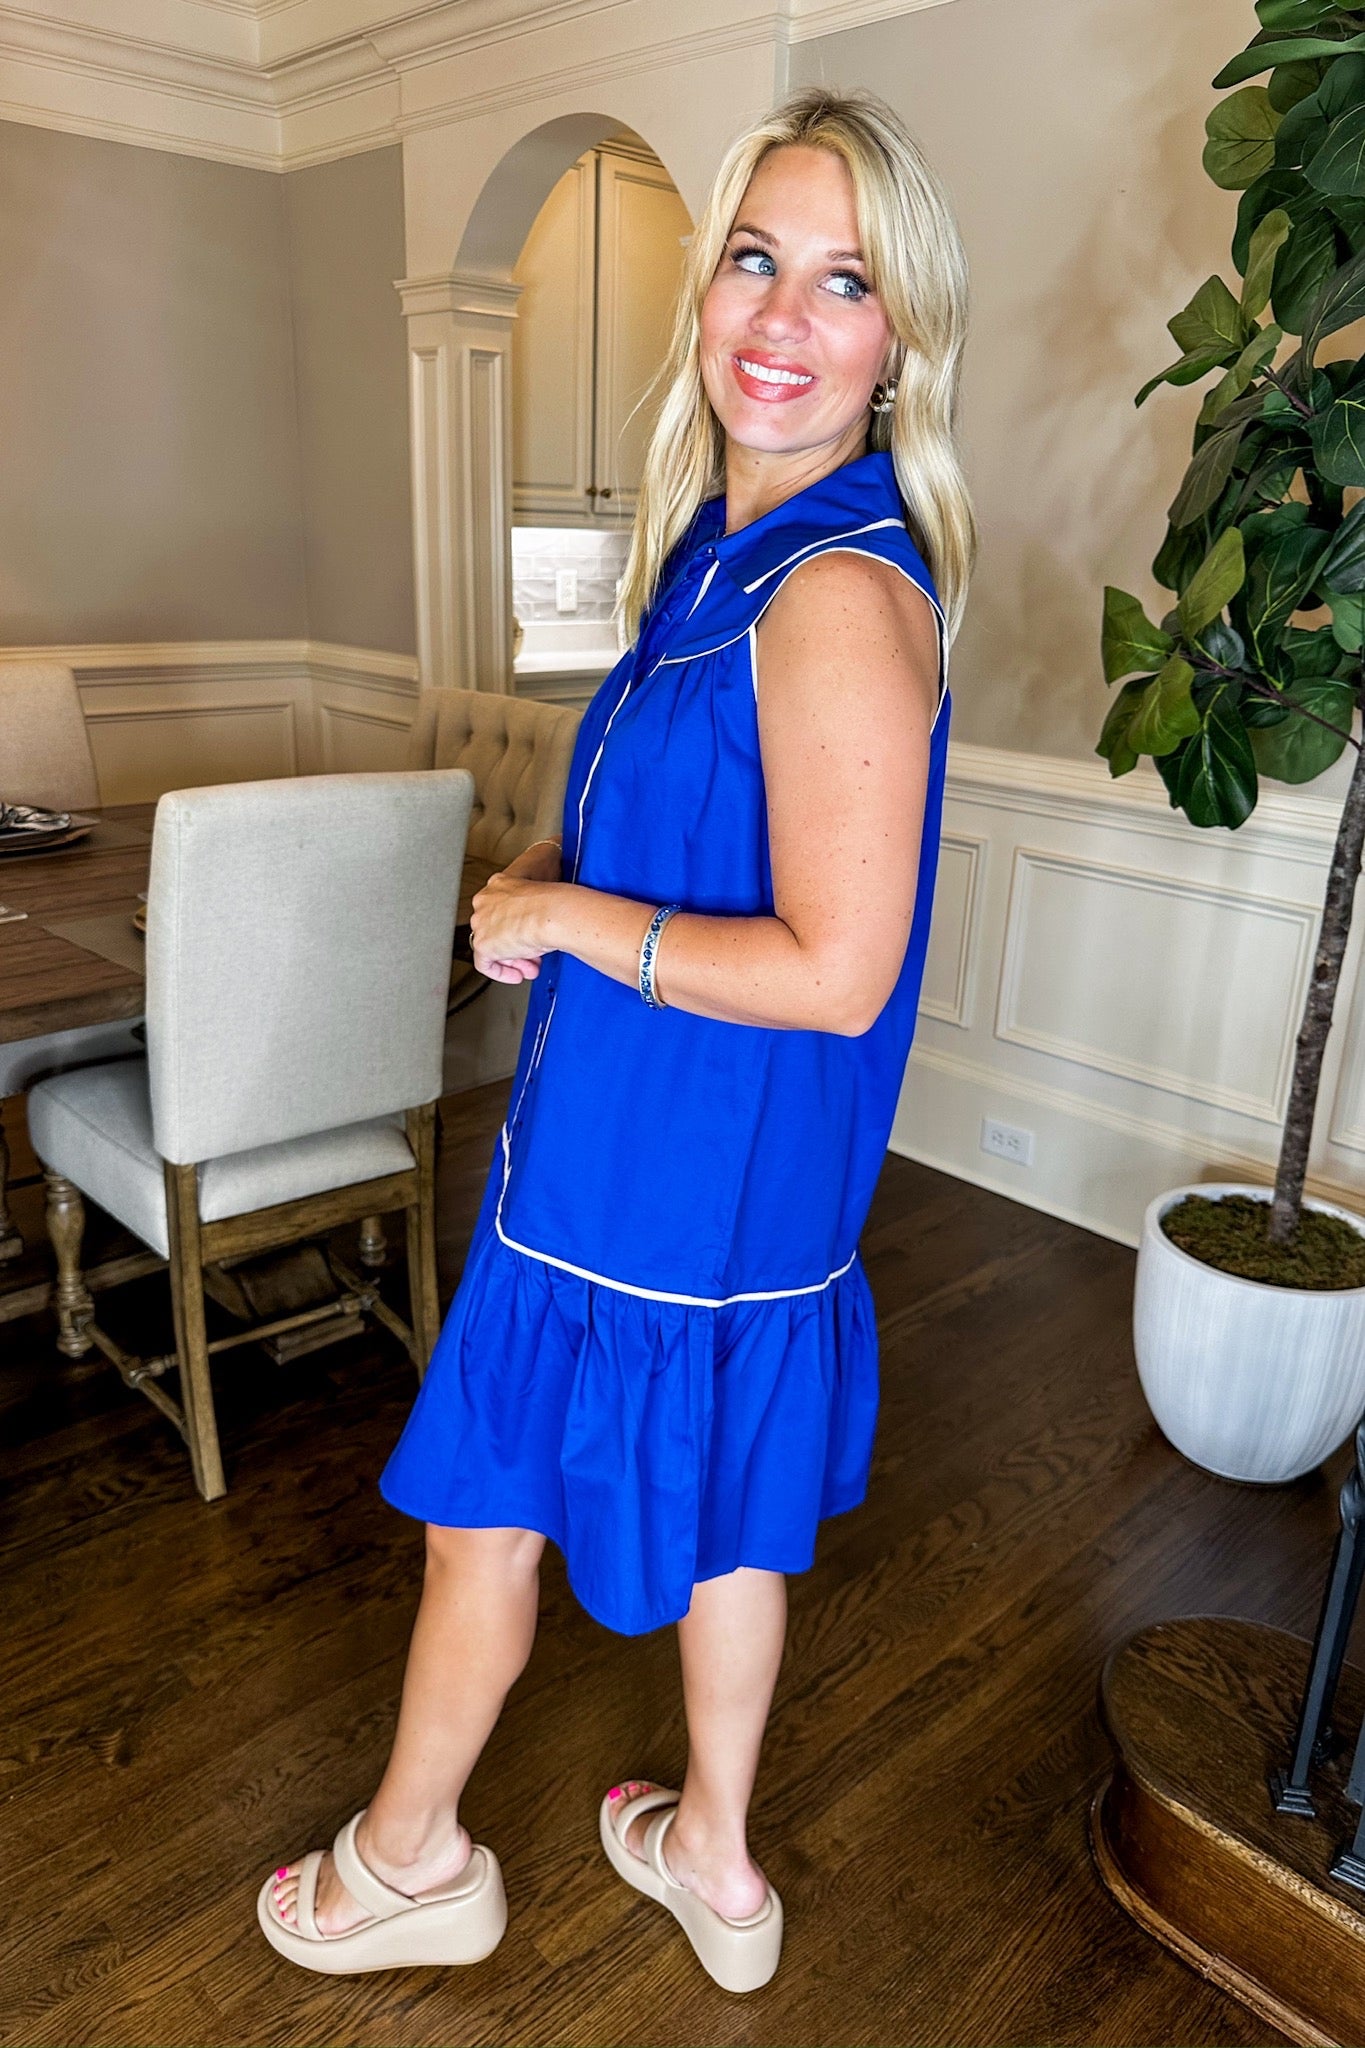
[656,1444]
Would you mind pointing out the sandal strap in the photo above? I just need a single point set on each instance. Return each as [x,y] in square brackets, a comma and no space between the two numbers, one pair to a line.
[643,1802]
[305,1918]
[369,1891]
[653,1846]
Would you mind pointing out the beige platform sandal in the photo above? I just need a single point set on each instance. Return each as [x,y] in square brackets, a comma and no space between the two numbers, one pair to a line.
[461,1923]
[741,1955]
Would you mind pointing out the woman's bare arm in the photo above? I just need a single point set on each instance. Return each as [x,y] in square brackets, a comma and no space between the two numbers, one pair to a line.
[847,683]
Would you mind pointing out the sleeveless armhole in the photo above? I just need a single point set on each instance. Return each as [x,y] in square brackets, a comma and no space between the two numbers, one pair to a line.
[872,556]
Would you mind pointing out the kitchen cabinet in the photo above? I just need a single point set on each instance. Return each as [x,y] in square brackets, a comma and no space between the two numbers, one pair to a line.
[599,273]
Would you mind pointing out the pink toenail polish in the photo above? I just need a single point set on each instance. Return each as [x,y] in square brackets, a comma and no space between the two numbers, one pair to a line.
[283,1871]
[615,1792]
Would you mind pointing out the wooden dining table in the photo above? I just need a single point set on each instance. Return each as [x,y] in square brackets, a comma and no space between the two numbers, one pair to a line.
[47,981]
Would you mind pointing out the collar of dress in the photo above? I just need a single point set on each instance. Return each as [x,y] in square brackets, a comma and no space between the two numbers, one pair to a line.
[859,503]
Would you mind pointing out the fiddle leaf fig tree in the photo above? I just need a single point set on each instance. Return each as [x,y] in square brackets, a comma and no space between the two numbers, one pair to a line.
[1259,665]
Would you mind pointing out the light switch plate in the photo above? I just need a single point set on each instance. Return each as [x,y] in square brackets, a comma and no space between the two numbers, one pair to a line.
[566,590]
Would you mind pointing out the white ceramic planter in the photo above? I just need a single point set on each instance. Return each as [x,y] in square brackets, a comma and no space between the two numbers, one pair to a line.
[1250,1381]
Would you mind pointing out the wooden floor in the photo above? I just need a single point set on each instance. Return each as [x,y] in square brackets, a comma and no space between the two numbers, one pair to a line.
[190,1695]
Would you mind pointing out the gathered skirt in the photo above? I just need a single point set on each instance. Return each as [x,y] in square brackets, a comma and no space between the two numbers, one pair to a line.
[657,1444]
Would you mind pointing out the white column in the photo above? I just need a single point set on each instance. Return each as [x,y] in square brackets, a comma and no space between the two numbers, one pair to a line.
[459,382]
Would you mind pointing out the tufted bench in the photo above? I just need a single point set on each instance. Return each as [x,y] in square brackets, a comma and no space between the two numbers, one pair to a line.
[518,752]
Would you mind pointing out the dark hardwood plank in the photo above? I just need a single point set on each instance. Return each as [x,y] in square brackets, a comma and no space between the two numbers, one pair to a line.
[190,1694]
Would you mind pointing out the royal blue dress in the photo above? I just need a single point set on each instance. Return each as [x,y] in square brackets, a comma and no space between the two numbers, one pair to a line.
[662,1353]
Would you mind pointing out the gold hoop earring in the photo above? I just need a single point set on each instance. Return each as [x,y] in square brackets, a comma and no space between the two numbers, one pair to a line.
[884,395]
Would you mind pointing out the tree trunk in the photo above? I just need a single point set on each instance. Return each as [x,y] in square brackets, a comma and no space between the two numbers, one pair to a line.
[1317,1011]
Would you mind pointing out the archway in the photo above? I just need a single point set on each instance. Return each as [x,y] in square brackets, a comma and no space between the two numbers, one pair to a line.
[460,339]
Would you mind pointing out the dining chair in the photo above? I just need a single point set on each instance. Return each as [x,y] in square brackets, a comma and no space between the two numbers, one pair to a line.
[45,759]
[45,756]
[519,751]
[298,949]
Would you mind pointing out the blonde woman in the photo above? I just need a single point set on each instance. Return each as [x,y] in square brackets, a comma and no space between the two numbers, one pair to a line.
[662,1353]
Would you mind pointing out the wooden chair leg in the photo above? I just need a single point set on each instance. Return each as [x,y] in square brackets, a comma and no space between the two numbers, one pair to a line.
[421,1230]
[191,1336]
[11,1243]
[66,1228]
[373,1243]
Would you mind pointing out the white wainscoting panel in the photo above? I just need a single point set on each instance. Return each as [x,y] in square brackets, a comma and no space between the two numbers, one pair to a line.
[946,992]
[1126,987]
[1076,980]
[182,716]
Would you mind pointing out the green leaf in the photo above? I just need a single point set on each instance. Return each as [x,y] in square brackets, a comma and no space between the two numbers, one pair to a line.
[1343,566]
[1312,652]
[1223,644]
[1165,714]
[1261,56]
[1343,83]
[1285,189]
[1258,352]
[1212,319]
[1215,779]
[1350,217]
[1241,138]
[1290,83]
[1339,439]
[1278,576]
[1113,742]
[1270,235]
[1190,368]
[1293,16]
[1129,640]
[1177,558]
[1207,474]
[1301,133]
[1339,166]
[1304,266]
[1267,526]
[1297,749]
[1214,584]
[1348,620]
[1340,301]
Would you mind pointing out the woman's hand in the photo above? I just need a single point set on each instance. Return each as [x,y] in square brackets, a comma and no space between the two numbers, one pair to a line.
[541,863]
[507,918]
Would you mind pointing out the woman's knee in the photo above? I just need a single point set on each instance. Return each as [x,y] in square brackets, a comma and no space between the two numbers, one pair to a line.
[504,1553]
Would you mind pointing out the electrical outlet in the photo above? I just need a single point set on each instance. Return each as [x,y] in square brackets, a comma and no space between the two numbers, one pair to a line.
[566,590]
[1006,1141]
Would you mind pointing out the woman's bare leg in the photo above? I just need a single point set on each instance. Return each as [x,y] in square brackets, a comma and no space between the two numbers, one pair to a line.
[730,1642]
[470,1642]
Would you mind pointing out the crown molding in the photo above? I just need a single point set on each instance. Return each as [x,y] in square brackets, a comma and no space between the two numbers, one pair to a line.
[812,18]
[280,84]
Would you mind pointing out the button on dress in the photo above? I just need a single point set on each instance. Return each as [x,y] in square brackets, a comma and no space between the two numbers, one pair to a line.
[662,1353]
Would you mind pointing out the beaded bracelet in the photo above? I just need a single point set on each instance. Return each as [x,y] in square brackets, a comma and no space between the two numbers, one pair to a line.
[649,946]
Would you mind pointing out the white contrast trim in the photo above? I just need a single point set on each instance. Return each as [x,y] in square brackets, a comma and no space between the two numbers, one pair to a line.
[813,547]
[839,547]
[647,1293]
[702,589]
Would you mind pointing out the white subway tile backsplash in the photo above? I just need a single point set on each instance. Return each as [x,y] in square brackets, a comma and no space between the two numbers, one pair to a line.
[538,552]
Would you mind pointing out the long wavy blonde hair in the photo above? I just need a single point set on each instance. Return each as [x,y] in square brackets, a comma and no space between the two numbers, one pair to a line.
[918,268]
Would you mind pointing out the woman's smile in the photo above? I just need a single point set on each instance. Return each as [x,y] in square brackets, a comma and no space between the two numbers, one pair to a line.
[769,377]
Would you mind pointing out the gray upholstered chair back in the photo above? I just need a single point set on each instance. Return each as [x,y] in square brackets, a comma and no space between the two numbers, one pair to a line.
[298,955]
[45,756]
[518,752]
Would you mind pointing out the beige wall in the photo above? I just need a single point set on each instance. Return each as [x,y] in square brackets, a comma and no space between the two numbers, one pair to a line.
[351,368]
[1070,139]
[203,398]
[149,467]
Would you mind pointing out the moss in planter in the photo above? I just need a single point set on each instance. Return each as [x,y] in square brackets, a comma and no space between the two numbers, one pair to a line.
[1229,1232]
